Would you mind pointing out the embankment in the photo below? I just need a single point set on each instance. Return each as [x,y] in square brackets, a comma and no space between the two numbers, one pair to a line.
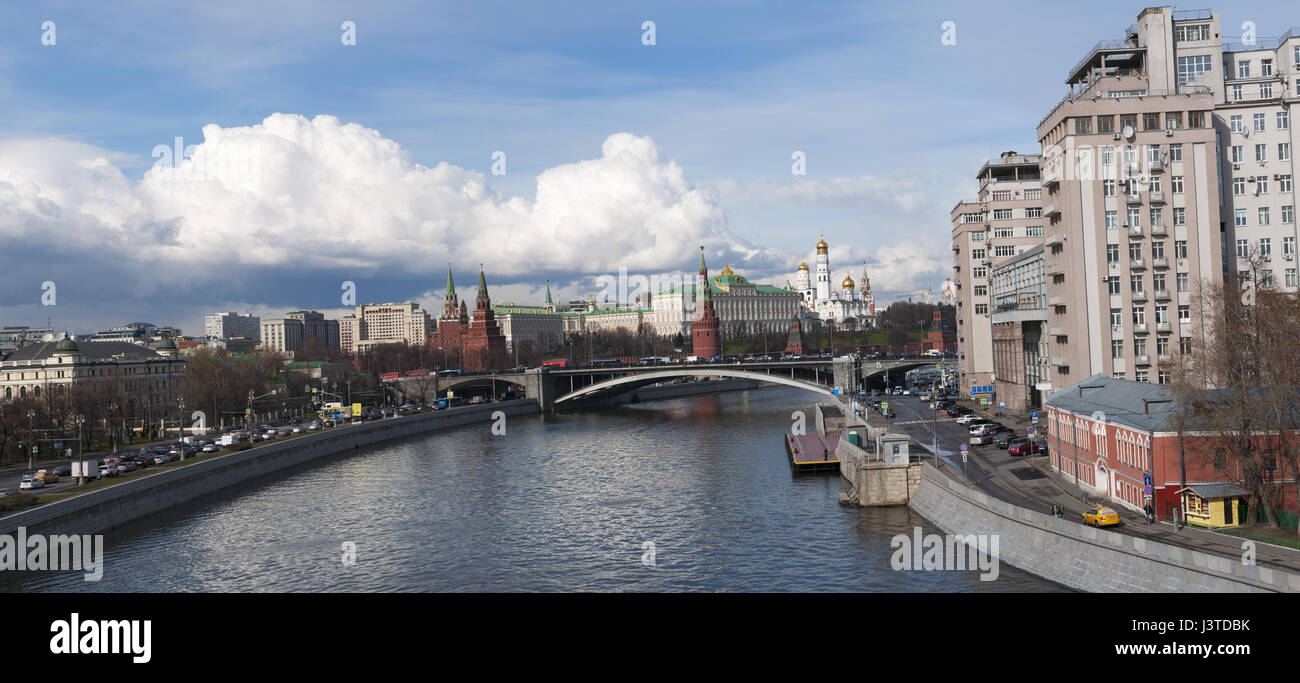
[102,509]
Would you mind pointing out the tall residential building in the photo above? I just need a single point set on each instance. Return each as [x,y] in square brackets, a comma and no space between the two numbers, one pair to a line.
[1018,289]
[1130,165]
[388,323]
[288,334]
[1005,221]
[232,325]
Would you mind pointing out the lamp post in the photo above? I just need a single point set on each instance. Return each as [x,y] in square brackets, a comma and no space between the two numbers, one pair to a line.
[31,428]
[180,420]
[81,419]
[112,426]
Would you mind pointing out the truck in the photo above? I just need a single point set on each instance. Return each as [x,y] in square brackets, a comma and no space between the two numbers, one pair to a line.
[227,440]
[692,359]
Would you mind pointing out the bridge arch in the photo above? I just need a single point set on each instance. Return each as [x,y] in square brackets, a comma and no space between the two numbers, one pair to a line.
[631,382]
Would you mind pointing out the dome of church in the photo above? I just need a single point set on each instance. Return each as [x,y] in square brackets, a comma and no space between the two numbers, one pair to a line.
[803,266]
[847,283]
[66,346]
[726,270]
[822,246]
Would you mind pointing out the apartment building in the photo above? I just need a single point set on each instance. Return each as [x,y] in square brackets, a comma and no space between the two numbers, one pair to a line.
[1130,168]
[383,324]
[1005,221]
[1019,338]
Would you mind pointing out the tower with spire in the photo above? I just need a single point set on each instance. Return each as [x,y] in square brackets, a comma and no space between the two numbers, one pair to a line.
[705,341]
[484,344]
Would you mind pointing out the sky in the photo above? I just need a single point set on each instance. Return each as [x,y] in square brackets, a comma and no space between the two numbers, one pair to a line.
[160,161]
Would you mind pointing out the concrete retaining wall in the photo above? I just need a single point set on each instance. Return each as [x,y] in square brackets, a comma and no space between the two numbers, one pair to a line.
[1086,558]
[103,509]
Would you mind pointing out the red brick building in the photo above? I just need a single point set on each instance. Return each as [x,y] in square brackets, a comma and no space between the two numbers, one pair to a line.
[483,343]
[1111,436]
[705,341]
[452,324]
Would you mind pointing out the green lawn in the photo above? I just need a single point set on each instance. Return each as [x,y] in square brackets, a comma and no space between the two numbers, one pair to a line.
[1289,540]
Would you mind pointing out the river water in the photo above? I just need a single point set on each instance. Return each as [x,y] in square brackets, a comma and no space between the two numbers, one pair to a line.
[563,502]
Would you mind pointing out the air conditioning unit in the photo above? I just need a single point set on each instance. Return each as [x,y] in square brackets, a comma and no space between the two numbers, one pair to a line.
[1276,177]
[1169,133]
[1250,179]
[1290,257]
[1117,136]
[1245,132]
[1236,167]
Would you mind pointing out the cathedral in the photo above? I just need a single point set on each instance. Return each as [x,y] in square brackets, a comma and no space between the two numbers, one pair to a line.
[846,305]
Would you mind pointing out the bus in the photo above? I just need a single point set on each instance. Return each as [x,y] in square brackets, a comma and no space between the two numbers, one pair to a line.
[390,375]
[445,373]
[604,362]
[450,402]
[556,363]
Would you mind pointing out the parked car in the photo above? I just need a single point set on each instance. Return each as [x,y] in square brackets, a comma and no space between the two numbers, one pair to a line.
[889,414]
[1100,516]
[1022,448]
[1003,439]
[979,438]
[967,419]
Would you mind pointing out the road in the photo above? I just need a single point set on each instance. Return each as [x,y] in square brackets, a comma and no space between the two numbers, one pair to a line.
[1030,483]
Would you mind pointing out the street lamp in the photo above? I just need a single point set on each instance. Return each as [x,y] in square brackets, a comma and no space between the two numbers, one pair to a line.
[31,428]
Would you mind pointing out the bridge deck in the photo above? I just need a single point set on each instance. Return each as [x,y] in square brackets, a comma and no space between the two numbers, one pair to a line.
[812,452]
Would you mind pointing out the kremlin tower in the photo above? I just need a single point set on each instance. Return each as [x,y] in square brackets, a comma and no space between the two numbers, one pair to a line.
[705,341]
[484,344]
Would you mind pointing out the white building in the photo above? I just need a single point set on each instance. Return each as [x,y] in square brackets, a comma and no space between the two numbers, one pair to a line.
[742,307]
[383,324]
[842,305]
[232,325]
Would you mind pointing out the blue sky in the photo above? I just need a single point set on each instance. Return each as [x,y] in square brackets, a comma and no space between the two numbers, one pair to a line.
[893,124]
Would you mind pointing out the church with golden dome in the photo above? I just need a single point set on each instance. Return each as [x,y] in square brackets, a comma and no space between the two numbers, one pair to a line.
[851,304]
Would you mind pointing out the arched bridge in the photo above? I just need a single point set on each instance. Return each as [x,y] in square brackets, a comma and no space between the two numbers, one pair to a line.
[632,381]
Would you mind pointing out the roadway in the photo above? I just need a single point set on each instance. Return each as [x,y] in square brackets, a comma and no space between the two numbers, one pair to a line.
[1031,483]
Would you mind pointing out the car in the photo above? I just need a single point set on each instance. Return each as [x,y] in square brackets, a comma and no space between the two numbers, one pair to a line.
[967,419]
[295,420]
[889,414]
[1100,516]
[1022,448]
[316,424]
[107,471]
[327,423]
[31,482]
[46,476]
[979,438]
[1003,439]
[8,492]
[211,448]
[62,470]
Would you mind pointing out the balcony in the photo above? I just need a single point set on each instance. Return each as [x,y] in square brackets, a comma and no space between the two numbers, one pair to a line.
[1060,362]
[1054,269]
[1140,328]
[1159,231]
[1156,197]
[1162,327]
[1162,295]
[1140,296]
[1161,262]
[1135,231]
[1157,165]
[1142,360]
[1133,198]
[1137,264]
[1053,301]
[1058,332]
[1164,358]
[1050,210]
[1052,241]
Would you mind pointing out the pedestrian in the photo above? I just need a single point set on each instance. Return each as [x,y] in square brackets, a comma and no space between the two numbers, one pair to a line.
[1149,512]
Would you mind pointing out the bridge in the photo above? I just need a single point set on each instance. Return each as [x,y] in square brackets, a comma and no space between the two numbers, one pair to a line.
[584,386]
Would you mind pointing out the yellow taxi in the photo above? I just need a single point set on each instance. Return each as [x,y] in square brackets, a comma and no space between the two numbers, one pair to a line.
[1101,517]
[46,476]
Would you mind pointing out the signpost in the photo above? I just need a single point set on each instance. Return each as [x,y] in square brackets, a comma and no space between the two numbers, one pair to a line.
[964,447]
[1033,417]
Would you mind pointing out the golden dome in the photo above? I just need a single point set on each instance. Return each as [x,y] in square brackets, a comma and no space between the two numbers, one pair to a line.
[822,246]
[726,270]
[847,283]
[803,266]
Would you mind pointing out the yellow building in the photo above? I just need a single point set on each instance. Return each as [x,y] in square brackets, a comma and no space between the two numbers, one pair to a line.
[1214,506]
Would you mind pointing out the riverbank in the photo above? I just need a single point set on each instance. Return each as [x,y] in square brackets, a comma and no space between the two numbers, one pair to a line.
[99,510]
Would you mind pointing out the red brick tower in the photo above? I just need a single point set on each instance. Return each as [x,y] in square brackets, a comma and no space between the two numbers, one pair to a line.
[451,326]
[795,343]
[485,345]
[705,341]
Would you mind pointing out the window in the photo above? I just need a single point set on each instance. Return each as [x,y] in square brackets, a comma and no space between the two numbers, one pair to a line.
[1034,231]
[1236,93]
[1291,278]
[1117,348]
[1184,343]
[1176,184]
[1155,183]
[1265,247]
[1150,121]
[1283,120]
[1004,250]
[1263,215]
[1180,216]
[1186,32]
[1261,153]
[1112,253]
[1265,90]
[1175,153]
[1259,122]
[1112,220]
[1266,278]
[1239,218]
[1158,283]
[1083,125]
[1173,120]
[977,254]
[1265,67]
[978,236]
[1261,184]
[1157,218]
[981,309]
[1139,347]
[1184,315]
[979,272]
[1134,218]
[1135,253]
[1234,123]
[1288,214]
[1162,346]
[1237,154]
[1002,214]
[1107,157]
[1239,186]
[1180,249]
[1106,124]
[1135,284]
[1116,318]
[1284,183]
[1158,251]
[1288,245]
[1182,282]
[1164,376]
[1196,119]
[1004,232]
[1243,247]
[1130,120]
[1192,68]
[1119,375]
[981,290]
[1112,284]
[1162,315]
[1283,151]
[1108,188]
[1139,315]
[1034,212]
[1243,69]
